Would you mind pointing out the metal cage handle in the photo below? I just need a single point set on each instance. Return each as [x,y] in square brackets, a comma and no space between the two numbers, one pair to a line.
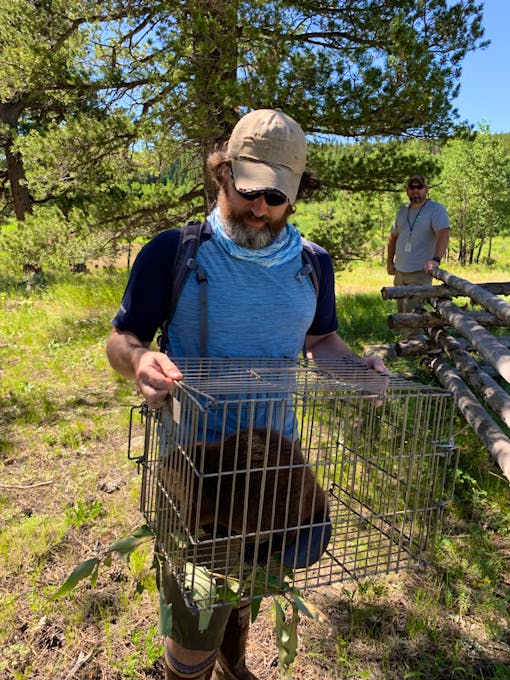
[143,410]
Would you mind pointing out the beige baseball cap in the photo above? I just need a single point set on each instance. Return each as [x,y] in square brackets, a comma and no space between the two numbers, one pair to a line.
[268,151]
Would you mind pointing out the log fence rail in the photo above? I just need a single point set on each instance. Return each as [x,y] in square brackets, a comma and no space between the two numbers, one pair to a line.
[465,357]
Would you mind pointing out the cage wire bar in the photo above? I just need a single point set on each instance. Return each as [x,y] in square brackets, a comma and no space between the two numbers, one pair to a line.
[226,484]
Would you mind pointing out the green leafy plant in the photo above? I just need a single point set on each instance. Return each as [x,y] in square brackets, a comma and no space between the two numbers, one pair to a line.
[82,512]
[90,568]
[288,603]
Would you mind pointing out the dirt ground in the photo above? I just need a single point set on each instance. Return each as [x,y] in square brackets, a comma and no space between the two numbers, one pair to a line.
[385,629]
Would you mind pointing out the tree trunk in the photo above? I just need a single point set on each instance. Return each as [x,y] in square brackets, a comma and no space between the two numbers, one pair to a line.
[21,201]
[10,113]
[479,253]
[214,38]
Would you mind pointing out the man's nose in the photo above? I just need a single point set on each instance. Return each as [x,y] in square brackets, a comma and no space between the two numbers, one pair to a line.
[259,206]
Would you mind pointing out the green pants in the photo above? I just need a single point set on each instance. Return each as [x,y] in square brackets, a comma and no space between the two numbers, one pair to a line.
[185,629]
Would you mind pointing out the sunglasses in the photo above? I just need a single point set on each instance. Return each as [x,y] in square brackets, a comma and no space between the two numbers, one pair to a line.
[416,186]
[272,197]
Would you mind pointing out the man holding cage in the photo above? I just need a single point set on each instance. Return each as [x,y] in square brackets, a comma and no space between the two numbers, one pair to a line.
[259,304]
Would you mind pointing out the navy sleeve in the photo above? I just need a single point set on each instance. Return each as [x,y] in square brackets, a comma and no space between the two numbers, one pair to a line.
[146,300]
[325,320]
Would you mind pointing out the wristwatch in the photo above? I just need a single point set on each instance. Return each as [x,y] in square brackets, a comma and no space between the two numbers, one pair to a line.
[437,259]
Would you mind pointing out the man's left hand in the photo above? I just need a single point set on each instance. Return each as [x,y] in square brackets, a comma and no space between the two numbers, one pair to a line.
[430,265]
[375,363]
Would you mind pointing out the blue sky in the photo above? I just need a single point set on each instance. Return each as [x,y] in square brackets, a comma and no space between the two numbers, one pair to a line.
[484,87]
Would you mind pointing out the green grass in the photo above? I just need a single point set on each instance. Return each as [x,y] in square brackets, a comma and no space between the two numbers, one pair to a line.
[63,434]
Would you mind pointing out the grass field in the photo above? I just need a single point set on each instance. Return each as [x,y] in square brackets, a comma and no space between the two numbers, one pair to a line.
[67,491]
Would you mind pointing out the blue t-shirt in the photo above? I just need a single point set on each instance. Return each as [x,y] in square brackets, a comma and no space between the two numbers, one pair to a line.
[252,310]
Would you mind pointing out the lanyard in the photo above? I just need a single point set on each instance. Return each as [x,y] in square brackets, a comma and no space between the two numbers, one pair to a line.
[411,226]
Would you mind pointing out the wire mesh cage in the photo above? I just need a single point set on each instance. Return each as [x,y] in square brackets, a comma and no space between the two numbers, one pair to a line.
[258,472]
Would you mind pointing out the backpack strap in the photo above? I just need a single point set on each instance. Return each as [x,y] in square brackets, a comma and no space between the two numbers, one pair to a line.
[311,265]
[312,268]
[184,263]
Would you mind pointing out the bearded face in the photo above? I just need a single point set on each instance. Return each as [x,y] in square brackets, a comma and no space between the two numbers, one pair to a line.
[250,224]
[417,193]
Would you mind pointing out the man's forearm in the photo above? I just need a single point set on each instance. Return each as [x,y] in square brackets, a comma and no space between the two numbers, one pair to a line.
[152,371]
[330,346]
[392,242]
[442,239]
[123,350]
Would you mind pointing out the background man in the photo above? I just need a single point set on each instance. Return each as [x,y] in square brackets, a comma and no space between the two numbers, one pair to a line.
[418,240]
[259,305]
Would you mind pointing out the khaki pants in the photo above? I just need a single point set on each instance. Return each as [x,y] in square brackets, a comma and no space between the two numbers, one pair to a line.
[419,278]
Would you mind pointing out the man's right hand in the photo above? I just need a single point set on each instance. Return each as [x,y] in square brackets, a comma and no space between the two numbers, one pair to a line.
[152,371]
[155,375]
[390,268]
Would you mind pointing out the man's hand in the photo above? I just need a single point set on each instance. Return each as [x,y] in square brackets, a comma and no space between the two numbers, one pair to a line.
[375,363]
[153,372]
[155,375]
[390,268]
[430,265]
[379,385]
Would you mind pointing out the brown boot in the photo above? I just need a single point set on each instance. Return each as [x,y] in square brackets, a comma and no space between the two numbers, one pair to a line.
[231,656]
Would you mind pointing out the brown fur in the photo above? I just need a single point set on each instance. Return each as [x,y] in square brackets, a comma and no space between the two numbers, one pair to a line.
[275,516]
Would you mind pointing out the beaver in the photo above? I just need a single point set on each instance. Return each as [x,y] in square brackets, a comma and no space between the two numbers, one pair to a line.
[283,492]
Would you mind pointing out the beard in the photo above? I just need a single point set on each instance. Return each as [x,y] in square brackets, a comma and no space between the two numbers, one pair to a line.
[415,199]
[244,235]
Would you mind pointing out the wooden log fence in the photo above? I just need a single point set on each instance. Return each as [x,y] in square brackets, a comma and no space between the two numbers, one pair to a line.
[430,292]
[486,344]
[426,320]
[474,374]
[489,301]
[474,364]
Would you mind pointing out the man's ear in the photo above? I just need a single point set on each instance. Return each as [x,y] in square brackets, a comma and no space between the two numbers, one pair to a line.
[224,173]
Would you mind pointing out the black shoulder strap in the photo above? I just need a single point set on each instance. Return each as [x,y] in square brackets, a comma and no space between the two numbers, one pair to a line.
[312,268]
[311,264]
[189,243]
